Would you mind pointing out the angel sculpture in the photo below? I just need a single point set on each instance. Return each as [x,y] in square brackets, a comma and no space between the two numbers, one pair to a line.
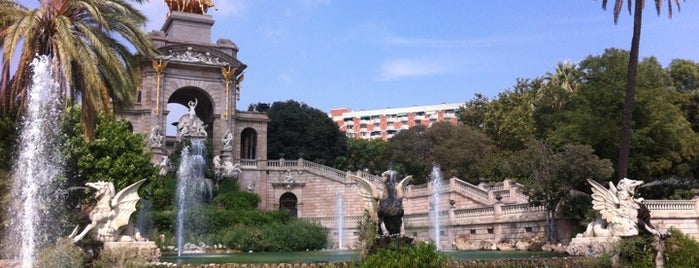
[110,217]
[620,213]
[385,209]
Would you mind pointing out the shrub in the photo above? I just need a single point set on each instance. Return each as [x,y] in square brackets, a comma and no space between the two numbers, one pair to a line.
[422,255]
[237,200]
[63,254]
[681,250]
[637,251]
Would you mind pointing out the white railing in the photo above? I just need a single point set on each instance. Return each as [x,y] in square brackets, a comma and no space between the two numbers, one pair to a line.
[521,208]
[474,212]
[670,204]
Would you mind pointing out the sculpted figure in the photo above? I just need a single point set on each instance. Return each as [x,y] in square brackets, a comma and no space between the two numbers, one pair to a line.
[227,140]
[620,213]
[110,217]
[385,208]
[189,124]
[225,168]
[156,138]
[164,166]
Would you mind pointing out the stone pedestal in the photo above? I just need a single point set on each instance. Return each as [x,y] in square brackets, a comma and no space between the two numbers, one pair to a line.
[592,246]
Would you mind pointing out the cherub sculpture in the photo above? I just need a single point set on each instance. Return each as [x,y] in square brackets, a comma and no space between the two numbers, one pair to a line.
[110,217]
[385,209]
[620,213]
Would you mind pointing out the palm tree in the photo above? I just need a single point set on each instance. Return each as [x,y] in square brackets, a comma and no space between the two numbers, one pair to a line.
[566,76]
[631,79]
[81,37]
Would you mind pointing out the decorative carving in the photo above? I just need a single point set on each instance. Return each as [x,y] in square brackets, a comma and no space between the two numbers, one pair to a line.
[110,217]
[190,125]
[190,6]
[227,140]
[159,67]
[385,209]
[189,55]
[156,138]
[226,168]
[227,74]
[164,166]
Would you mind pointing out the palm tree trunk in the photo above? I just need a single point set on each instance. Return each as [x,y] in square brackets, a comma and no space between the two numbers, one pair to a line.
[629,99]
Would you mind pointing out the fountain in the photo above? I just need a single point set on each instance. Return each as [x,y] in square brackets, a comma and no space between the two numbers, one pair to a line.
[36,173]
[339,209]
[435,205]
[191,172]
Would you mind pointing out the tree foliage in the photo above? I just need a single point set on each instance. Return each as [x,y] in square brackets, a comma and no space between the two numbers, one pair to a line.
[364,154]
[84,39]
[549,175]
[296,130]
[460,150]
[116,154]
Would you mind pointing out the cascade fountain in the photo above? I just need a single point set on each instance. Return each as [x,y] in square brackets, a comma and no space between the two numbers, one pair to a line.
[435,205]
[340,211]
[191,172]
[38,167]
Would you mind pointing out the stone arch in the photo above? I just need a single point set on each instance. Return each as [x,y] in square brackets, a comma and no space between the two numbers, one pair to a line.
[289,202]
[204,108]
[248,144]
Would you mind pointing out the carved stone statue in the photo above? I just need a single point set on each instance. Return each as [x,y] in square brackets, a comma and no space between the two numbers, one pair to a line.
[156,138]
[225,168]
[110,217]
[190,125]
[164,166]
[227,140]
[385,209]
[621,214]
[190,6]
[619,210]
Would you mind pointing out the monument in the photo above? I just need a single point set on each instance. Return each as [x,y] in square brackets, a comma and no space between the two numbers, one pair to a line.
[385,209]
[620,215]
[110,220]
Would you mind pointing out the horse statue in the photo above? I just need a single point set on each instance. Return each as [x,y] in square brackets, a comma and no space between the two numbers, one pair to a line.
[110,217]
[385,209]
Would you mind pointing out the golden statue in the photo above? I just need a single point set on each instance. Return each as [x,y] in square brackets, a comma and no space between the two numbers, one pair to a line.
[190,6]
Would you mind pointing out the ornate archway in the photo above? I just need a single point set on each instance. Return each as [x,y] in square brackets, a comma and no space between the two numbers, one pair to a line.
[204,108]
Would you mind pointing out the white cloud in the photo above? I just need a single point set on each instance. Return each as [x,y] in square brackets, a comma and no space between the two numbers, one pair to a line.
[400,68]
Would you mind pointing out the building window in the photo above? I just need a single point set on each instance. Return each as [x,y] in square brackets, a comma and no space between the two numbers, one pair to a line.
[527,229]
[490,230]
[473,231]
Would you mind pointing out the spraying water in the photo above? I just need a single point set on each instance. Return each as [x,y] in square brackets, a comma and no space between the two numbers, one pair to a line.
[37,170]
[437,189]
[192,169]
[340,214]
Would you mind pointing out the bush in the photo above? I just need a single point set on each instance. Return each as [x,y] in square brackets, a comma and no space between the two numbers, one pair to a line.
[63,254]
[295,235]
[422,255]
[681,250]
[637,251]
[237,200]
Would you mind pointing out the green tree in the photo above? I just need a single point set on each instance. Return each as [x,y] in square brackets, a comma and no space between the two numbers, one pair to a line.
[508,120]
[116,154]
[473,112]
[548,175]
[83,38]
[365,154]
[460,151]
[632,72]
[296,130]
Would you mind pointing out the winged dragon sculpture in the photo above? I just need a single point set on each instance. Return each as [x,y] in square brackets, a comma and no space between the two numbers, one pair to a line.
[110,217]
[621,214]
[385,207]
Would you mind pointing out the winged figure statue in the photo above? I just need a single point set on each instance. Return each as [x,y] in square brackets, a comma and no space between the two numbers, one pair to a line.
[621,214]
[385,207]
[110,217]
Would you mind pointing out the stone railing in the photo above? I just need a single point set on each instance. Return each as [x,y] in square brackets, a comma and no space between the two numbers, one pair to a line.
[349,222]
[470,190]
[474,212]
[301,164]
[521,208]
[674,205]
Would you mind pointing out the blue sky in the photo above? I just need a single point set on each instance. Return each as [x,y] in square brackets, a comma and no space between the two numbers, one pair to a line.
[376,54]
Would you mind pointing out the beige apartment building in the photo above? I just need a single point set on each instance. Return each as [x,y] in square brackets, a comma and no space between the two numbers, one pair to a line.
[385,123]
